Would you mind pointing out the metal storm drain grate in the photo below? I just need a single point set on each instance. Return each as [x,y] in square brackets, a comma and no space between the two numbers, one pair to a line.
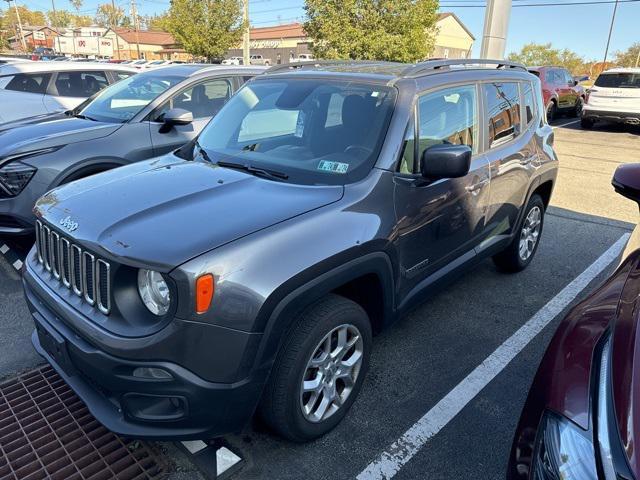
[46,432]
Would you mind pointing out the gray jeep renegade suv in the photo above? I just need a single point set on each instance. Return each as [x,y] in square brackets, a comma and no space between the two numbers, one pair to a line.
[248,269]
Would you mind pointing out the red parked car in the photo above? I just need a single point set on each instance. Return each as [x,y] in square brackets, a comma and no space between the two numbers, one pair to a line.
[560,91]
[582,416]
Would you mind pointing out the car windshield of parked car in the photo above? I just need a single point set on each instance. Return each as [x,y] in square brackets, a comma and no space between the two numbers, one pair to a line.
[123,100]
[312,131]
[618,80]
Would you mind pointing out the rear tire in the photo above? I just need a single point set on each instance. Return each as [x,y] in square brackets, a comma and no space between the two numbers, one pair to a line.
[518,255]
[307,359]
[577,111]
[587,123]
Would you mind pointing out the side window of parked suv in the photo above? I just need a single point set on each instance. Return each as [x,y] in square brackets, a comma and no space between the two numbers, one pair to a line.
[448,116]
[29,83]
[529,102]
[80,84]
[202,100]
[503,109]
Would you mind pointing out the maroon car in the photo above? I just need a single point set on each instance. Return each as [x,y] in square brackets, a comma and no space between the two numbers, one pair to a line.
[560,91]
[582,416]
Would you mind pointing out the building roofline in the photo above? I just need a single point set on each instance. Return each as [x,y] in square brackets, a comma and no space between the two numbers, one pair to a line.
[443,15]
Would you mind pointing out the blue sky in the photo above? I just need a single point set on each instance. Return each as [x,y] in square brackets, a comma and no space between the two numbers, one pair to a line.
[582,28]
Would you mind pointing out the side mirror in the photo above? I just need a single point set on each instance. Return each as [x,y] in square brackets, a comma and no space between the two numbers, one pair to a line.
[175,116]
[574,83]
[626,181]
[445,161]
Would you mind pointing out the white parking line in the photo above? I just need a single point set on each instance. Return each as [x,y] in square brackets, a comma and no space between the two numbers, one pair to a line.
[571,122]
[402,450]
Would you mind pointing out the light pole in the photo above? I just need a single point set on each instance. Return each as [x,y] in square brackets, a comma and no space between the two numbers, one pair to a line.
[606,50]
[496,26]
[21,33]
[245,35]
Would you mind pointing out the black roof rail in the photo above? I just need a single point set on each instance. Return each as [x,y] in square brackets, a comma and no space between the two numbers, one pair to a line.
[435,65]
[322,63]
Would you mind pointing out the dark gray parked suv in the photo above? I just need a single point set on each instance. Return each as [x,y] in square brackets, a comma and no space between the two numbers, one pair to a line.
[249,269]
[143,116]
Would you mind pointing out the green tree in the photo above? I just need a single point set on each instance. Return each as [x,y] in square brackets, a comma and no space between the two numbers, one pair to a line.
[64,18]
[159,23]
[28,17]
[205,28]
[107,16]
[401,30]
[536,54]
[629,57]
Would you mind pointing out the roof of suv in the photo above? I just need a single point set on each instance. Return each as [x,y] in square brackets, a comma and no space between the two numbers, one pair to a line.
[623,70]
[394,70]
[37,67]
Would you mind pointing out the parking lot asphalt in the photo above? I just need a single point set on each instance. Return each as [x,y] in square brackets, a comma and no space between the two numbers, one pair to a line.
[422,357]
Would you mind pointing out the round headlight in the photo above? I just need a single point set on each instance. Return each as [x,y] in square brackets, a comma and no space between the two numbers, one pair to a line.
[154,291]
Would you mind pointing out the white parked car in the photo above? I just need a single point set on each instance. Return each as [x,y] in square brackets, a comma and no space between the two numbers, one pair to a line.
[304,57]
[7,60]
[157,63]
[614,97]
[35,88]
[233,61]
[259,60]
[139,64]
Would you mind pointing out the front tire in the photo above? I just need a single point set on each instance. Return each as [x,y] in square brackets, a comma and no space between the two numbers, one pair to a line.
[319,370]
[518,255]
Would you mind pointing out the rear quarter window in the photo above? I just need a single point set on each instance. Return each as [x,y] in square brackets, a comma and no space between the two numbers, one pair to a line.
[27,83]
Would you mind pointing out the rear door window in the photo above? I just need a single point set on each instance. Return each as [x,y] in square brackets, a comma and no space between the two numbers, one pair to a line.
[618,80]
[28,83]
[80,84]
[529,102]
[503,112]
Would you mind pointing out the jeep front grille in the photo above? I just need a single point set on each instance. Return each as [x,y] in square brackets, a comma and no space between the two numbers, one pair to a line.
[78,270]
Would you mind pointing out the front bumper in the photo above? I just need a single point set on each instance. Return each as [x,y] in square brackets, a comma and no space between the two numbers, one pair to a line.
[631,118]
[185,407]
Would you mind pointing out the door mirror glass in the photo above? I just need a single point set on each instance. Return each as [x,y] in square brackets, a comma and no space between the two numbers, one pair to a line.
[626,181]
[445,161]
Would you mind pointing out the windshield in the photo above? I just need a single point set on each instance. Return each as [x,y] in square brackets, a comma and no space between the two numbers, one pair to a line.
[618,80]
[123,100]
[313,131]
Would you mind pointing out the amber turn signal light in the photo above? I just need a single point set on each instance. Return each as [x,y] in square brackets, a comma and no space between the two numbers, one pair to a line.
[204,292]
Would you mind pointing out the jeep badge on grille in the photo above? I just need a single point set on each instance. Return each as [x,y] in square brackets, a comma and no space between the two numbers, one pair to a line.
[69,224]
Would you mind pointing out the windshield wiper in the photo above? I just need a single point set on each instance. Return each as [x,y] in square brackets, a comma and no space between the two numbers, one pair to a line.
[262,172]
[84,117]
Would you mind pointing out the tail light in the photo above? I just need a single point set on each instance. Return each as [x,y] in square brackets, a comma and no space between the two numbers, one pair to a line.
[204,292]
[586,98]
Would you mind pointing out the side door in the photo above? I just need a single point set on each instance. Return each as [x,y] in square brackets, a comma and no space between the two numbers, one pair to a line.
[203,99]
[511,150]
[439,221]
[22,95]
[69,89]
[562,87]
[572,91]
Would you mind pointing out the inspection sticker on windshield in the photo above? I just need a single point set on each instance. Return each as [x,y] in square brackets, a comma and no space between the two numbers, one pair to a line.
[333,167]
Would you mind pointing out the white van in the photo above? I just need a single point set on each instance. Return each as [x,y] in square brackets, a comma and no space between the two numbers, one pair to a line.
[35,88]
[615,97]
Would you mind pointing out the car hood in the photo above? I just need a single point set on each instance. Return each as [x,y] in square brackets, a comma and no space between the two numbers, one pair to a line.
[37,133]
[45,117]
[162,212]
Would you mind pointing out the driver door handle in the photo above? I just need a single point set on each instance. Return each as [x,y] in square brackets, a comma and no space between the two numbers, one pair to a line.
[476,187]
